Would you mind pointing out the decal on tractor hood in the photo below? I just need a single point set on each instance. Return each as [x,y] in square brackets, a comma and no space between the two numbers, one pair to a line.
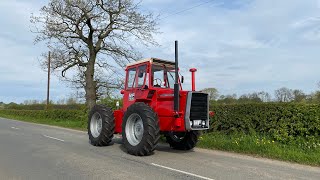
[131,96]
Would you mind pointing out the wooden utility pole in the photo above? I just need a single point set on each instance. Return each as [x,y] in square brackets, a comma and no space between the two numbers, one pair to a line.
[48,87]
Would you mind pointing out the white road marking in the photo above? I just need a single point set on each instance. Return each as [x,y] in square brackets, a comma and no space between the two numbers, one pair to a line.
[15,128]
[184,172]
[54,138]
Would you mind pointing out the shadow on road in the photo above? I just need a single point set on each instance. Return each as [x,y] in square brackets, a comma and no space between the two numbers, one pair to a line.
[162,147]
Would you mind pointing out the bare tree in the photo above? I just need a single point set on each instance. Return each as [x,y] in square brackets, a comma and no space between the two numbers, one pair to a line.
[298,95]
[71,101]
[86,35]
[213,93]
[254,97]
[228,99]
[264,96]
[283,95]
[317,96]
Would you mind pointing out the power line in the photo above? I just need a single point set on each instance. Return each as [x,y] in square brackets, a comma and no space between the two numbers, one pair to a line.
[187,9]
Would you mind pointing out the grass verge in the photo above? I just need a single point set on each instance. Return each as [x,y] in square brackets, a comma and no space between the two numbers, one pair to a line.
[262,146]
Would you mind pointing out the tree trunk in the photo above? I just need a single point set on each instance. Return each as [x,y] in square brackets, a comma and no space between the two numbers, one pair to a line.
[90,87]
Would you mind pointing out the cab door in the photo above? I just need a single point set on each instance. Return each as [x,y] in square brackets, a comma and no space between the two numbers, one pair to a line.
[129,92]
[142,85]
[136,87]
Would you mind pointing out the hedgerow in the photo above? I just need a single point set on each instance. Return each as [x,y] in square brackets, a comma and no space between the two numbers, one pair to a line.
[284,122]
[43,106]
[56,114]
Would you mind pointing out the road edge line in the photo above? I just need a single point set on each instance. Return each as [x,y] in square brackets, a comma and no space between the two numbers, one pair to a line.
[53,138]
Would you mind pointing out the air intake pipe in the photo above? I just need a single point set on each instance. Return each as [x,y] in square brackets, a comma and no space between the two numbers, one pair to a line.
[193,72]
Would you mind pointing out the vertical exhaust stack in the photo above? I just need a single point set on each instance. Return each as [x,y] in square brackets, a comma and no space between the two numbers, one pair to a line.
[193,71]
[176,84]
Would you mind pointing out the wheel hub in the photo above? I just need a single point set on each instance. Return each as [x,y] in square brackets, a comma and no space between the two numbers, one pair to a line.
[134,129]
[96,125]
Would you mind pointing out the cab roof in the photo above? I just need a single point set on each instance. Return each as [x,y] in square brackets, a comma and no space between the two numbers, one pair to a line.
[152,61]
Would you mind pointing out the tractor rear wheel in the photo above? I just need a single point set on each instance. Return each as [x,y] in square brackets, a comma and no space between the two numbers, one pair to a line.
[183,141]
[140,129]
[100,125]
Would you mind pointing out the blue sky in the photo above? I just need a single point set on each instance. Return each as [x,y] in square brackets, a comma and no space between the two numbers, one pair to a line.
[238,46]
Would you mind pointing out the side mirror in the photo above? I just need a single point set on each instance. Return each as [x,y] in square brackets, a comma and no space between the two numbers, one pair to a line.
[182,79]
[122,91]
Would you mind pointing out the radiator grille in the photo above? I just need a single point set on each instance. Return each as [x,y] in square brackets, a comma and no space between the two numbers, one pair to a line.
[199,106]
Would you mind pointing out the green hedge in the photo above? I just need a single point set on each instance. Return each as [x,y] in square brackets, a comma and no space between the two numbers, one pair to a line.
[57,114]
[285,122]
[43,106]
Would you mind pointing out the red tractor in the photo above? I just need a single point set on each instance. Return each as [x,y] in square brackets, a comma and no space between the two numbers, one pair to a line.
[153,104]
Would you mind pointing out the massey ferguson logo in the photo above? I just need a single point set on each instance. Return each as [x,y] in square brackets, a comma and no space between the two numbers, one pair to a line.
[131,96]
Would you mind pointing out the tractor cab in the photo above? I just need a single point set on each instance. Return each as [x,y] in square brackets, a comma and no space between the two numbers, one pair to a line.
[153,82]
[146,78]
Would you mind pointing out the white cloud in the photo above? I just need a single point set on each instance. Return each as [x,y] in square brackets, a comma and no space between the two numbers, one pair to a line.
[268,39]
[21,77]
[238,46]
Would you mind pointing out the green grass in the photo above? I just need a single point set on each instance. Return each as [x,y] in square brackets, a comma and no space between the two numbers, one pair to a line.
[262,146]
[69,123]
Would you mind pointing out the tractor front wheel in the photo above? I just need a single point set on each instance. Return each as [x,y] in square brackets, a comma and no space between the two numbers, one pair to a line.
[100,125]
[183,141]
[140,129]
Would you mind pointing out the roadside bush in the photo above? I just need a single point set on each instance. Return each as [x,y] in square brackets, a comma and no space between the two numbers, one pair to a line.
[43,106]
[284,122]
[56,114]
[111,102]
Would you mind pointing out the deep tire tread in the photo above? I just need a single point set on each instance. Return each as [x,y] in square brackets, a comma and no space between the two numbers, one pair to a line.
[187,143]
[151,133]
[108,126]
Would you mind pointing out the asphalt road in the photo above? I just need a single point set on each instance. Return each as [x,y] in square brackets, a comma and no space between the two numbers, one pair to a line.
[38,152]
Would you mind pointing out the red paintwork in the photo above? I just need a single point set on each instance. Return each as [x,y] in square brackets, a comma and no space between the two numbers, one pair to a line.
[193,71]
[161,102]
[118,115]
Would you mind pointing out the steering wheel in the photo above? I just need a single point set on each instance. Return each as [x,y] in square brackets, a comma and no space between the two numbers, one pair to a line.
[157,80]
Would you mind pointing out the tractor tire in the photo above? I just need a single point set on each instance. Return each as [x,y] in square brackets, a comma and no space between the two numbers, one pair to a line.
[100,125]
[183,141]
[140,129]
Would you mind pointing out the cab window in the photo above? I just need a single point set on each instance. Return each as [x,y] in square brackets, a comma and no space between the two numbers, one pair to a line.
[163,76]
[131,78]
[142,80]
